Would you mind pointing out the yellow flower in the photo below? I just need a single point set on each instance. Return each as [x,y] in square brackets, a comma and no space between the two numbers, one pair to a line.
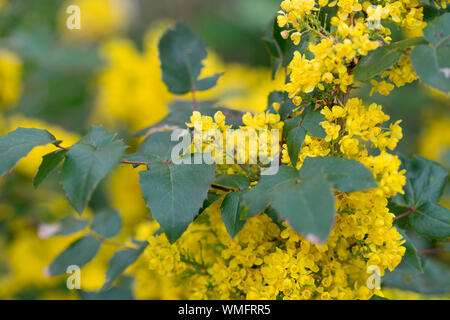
[10,78]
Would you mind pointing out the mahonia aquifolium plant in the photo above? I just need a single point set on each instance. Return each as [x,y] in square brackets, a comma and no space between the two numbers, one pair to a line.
[295,202]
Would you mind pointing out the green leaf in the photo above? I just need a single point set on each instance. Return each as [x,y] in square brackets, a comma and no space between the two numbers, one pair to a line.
[383,58]
[375,297]
[175,193]
[281,50]
[49,163]
[411,262]
[208,82]
[107,223]
[210,199]
[260,196]
[62,228]
[311,123]
[426,62]
[425,183]
[79,253]
[295,139]
[305,198]
[156,147]
[17,144]
[308,206]
[286,104]
[345,175]
[438,30]
[88,162]
[434,280]
[181,53]
[231,214]
[234,181]
[431,220]
[121,260]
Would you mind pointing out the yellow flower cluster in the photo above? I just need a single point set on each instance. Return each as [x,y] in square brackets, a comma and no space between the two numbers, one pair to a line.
[400,74]
[10,78]
[358,31]
[268,261]
[98,19]
[237,146]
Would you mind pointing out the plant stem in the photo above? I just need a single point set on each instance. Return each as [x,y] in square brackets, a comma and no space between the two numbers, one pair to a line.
[433,251]
[226,189]
[194,99]
[407,213]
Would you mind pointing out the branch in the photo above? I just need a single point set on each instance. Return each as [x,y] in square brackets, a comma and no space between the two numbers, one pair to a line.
[407,213]
[433,251]
[194,99]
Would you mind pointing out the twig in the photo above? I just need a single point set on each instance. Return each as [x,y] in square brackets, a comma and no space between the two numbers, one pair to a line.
[194,99]
[433,251]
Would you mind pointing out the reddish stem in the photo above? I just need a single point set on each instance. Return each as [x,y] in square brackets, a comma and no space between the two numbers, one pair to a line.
[432,251]
[407,213]
[62,148]
[194,99]
[135,162]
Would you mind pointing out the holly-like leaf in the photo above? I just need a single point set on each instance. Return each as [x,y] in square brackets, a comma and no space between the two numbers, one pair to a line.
[231,214]
[208,82]
[121,260]
[233,181]
[260,196]
[308,205]
[88,162]
[311,123]
[79,253]
[345,175]
[431,65]
[425,183]
[295,139]
[281,50]
[305,199]
[431,220]
[411,262]
[438,30]
[286,104]
[383,58]
[62,228]
[431,62]
[434,280]
[18,143]
[49,163]
[181,53]
[210,199]
[107,223]
[175,193]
